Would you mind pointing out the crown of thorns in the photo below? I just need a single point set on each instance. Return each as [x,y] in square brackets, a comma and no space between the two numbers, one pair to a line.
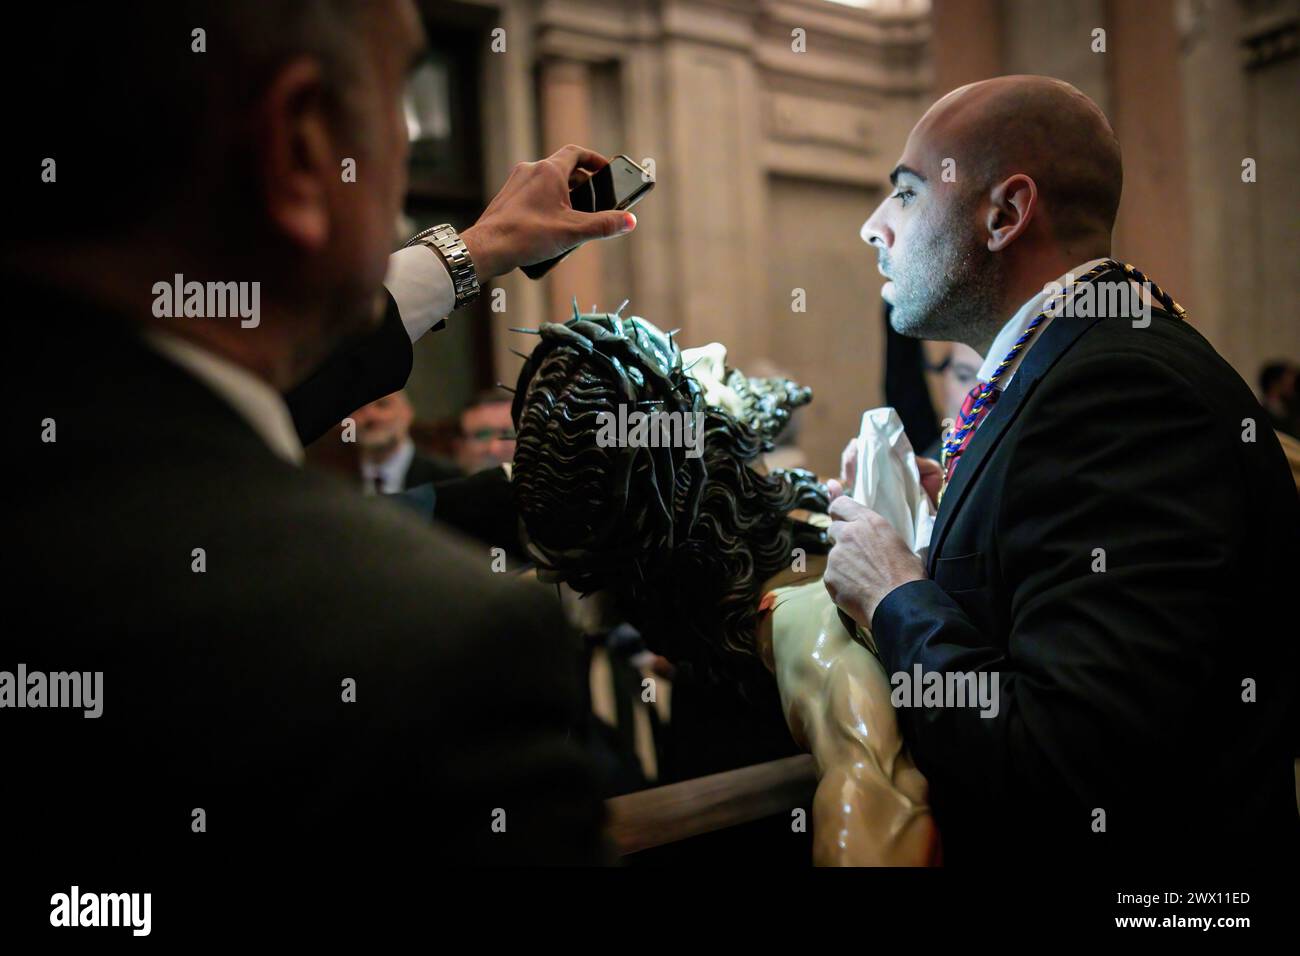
[643,365]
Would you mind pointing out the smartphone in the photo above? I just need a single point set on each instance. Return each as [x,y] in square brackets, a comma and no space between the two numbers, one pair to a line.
[620,185]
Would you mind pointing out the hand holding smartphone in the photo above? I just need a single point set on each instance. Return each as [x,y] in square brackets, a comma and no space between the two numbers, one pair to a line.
[620,185]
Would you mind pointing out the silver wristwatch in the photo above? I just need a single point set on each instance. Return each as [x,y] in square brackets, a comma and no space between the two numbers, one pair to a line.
[450,248]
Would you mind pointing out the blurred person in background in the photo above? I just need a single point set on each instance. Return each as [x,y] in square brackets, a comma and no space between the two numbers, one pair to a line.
[1278,393]
[390,461]
[487,434]
[1277,389]
[958,372]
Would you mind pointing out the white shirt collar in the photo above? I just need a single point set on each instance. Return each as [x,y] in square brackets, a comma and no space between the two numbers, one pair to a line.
[392,470]
[252,399]
[1017,324]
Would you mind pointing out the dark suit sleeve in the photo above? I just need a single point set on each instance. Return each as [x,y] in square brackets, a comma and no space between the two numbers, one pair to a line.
[1102,669]
[482,506]
[358,373]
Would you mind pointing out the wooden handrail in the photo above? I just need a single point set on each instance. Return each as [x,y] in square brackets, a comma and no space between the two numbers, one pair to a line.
[678,811]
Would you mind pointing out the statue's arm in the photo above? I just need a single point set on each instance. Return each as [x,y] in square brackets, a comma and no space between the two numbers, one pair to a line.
[871,806]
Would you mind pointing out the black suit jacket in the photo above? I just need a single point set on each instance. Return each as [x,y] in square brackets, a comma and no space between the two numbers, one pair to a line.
[371,366]
[424,471]
[223,687]
[1121,690]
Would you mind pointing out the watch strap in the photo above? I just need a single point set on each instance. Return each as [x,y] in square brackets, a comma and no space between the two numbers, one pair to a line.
[448,246]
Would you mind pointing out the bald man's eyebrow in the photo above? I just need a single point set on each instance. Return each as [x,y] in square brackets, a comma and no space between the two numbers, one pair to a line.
[901,170]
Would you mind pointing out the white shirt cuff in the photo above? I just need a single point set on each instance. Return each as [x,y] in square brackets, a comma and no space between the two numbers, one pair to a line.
[421,286]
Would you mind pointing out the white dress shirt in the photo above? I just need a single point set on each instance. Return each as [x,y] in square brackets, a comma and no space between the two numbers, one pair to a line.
[252,398]
[418,282]
[421,286]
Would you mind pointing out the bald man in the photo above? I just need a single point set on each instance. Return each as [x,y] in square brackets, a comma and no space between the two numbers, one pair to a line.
[1113,556]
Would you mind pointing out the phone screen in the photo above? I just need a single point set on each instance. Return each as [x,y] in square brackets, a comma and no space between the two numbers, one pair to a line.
[609,188]
[620,185]
[630,181]
[596,193]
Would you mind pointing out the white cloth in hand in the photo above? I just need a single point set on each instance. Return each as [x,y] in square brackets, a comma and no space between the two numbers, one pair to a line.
[888,481]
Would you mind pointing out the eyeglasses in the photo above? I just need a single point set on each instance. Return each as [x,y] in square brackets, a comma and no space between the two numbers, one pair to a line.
[491,434]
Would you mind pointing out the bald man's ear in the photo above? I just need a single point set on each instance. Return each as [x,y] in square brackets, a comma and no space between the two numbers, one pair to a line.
[1012,206]
[293,151]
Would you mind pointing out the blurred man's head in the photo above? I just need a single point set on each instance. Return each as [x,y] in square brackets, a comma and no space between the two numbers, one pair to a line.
[1003,185]
[384,424]
[960,372]
[216,138]
[1279,392]
[487,434]
[1277,381]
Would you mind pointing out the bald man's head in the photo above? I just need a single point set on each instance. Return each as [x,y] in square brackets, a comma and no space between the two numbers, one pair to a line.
[1043,128]
[997,179]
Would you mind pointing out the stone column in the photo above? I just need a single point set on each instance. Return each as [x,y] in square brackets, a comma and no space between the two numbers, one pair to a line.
[510,134]
[566,118]
[965,41]
[1146,109]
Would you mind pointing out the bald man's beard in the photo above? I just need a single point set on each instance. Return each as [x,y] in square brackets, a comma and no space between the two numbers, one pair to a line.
[949,287]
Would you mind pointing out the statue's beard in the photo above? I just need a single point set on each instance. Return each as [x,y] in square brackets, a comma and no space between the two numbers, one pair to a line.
[948,289]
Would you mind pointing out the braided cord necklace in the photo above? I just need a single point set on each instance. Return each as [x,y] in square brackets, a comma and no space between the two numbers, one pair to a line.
[953,443]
